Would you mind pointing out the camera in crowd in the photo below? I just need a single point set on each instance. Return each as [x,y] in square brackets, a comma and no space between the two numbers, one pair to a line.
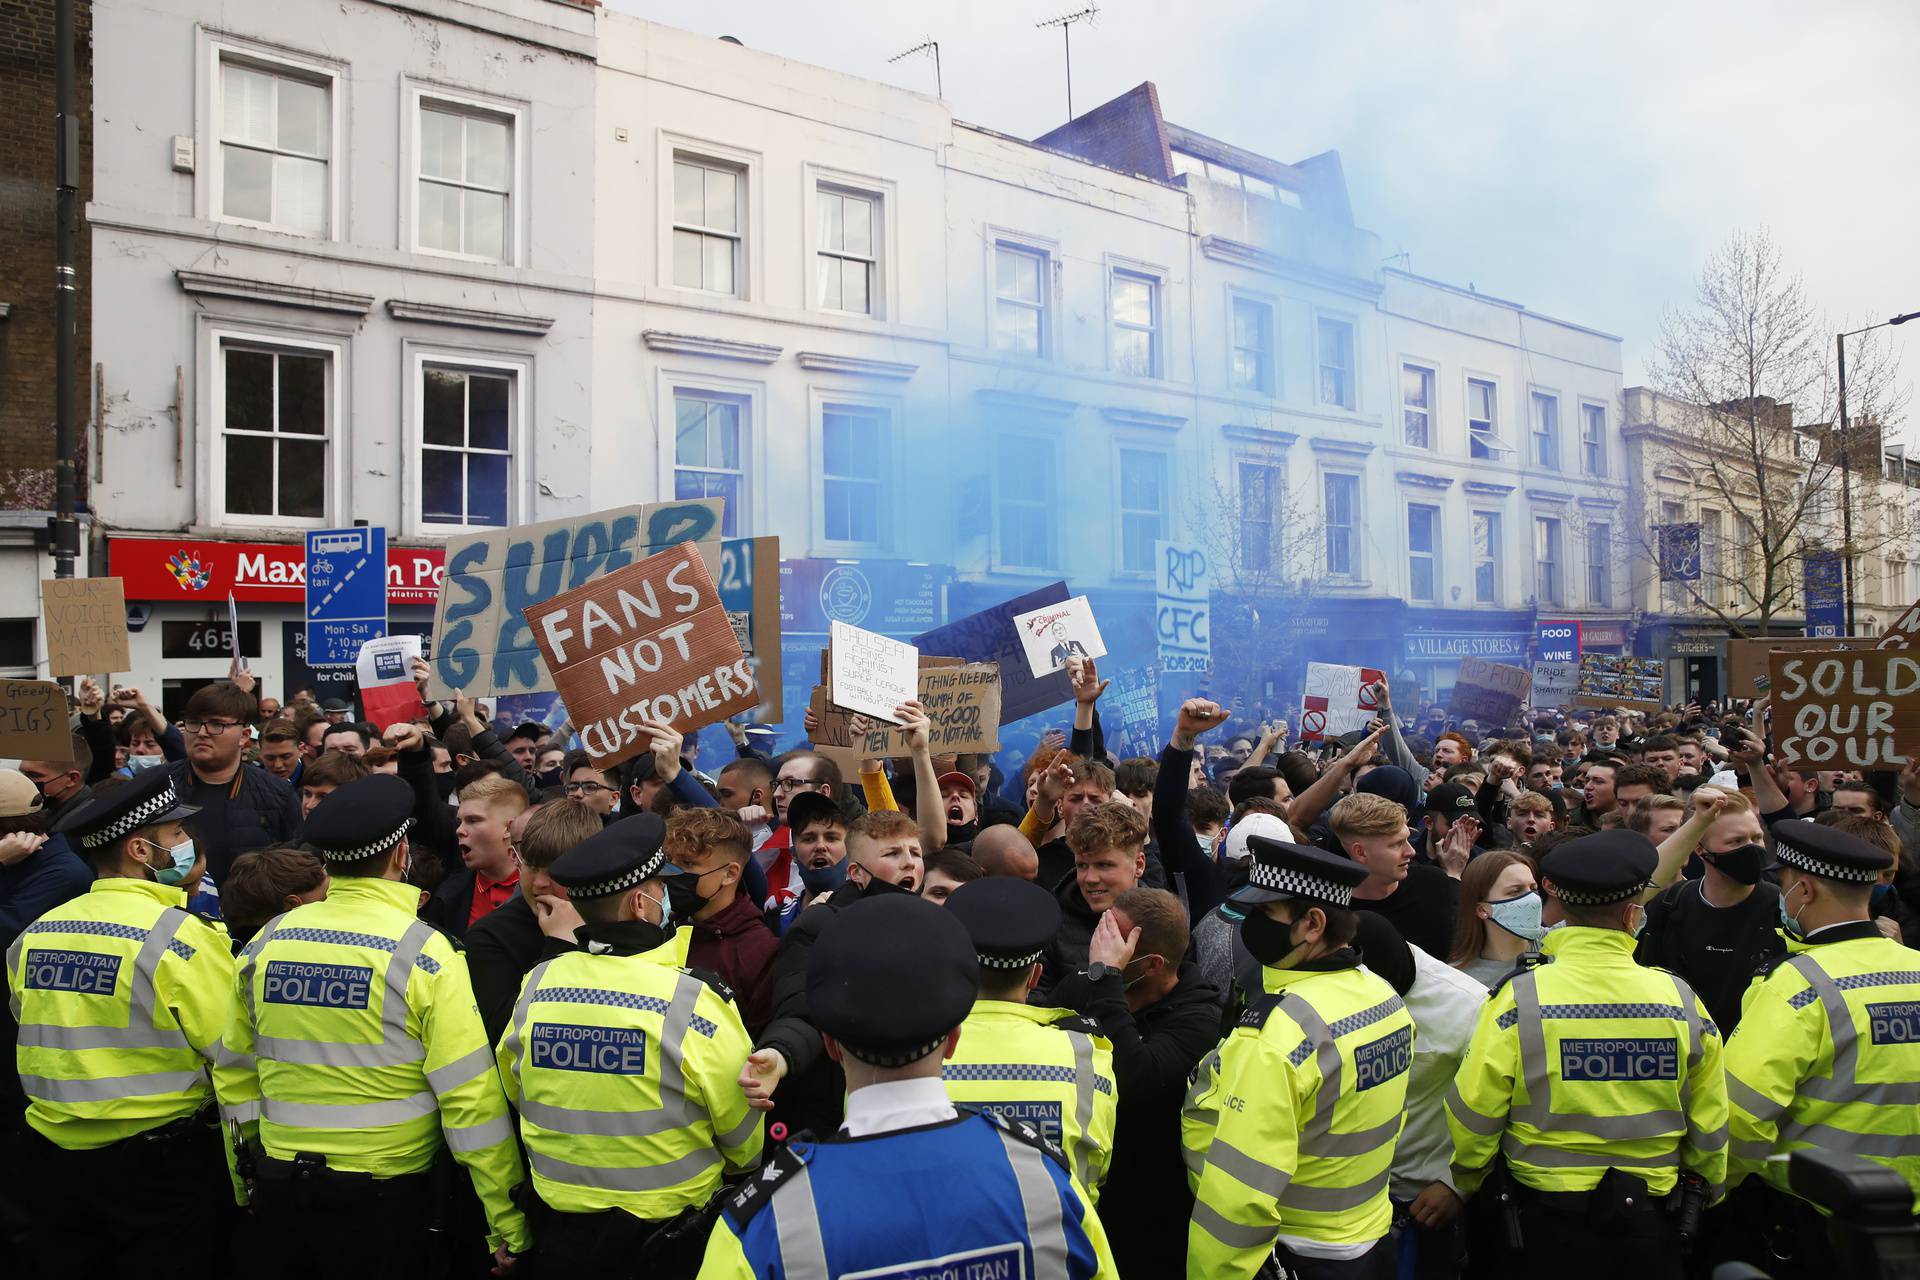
[1872,1232]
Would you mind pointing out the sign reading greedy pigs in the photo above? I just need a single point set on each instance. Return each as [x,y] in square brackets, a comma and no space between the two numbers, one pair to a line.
[651,641]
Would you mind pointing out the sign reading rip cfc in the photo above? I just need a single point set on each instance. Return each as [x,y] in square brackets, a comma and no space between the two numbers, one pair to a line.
[1182,610]
[1858,709]
[650,641]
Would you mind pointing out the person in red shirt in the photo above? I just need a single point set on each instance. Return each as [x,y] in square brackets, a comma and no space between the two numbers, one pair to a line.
[490,876]
[730,936]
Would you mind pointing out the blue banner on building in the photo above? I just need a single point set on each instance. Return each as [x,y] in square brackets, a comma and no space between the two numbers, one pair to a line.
[1826,598]
[1679,552]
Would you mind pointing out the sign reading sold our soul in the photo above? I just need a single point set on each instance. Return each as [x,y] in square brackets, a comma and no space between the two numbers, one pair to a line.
[1857,709]
[650,641]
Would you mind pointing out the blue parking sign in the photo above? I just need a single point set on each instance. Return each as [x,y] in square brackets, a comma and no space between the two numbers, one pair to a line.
[346,593]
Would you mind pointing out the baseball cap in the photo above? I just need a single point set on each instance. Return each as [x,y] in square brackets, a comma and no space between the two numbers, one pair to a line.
[1254,824]
[956,779]
[18,796]
[1452,800]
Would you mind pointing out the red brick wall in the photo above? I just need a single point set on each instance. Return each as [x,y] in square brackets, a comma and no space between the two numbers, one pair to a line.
[26,248]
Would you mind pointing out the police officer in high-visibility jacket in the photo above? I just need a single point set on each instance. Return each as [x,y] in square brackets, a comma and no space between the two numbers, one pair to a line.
[121,997]
[622,1066]
[910,1186]
[1599,1081]
[1290,1124]
[1050,1067]
[1828,1050]
[357,1052]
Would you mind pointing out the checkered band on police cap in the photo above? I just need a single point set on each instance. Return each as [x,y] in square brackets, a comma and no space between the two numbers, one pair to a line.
[1800,860]
[162,801]
[895,1058]
[1009,962]
[1298,883]
[367,850]
[622,882]
[1598,897]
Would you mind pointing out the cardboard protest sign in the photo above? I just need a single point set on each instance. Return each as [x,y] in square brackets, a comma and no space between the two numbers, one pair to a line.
[482,646]
[749,585]
[1636,684]
[962,700]
[86,620]
[1841,709]
[384,671]
[1903,632]
[1053,633]
[1747,660]
[872,673]
[1131,712]
[989,636]
[1182,609]
[33,721]
[1489,692]
[650,640]
[1554,683]
[1337,700]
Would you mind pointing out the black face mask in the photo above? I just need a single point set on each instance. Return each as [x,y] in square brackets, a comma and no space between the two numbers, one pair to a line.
[876,885]
[1267,940]
[549,778]
[443,783]
[1742,866]
[683,894]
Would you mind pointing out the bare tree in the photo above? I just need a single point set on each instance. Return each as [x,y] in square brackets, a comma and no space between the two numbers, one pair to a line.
[1747,395]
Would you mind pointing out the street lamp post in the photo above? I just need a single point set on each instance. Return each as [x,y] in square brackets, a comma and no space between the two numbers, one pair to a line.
[1846,459]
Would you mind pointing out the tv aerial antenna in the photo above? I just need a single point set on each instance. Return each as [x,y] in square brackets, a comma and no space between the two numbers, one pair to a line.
[931,47]
[1066,23]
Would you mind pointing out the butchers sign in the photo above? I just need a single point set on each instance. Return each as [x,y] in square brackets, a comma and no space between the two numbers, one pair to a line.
[650,641]
[1855,709]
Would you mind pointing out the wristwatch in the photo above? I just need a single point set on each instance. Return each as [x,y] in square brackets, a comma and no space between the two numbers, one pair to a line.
[1097,972]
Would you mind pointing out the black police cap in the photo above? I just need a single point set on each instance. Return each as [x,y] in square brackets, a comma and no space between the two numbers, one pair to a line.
[890,976]
[1282,870]
[1010,920]
[365,817]
[1825,852]
[1608,866]
[615,858]
[111,815]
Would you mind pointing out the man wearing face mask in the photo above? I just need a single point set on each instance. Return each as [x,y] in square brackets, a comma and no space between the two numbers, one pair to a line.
[1718,930]
[1047,1066]
[1830,1045]
[621,1064]
[121,998]
[1598,1080]
[1287,1146]
[729,936]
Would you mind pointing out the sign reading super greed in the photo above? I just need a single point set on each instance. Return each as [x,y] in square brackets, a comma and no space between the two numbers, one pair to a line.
[1339,699]
[481,643]
[650,641]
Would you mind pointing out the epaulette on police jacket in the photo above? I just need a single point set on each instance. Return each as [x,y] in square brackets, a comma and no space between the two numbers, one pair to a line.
[1078,1022]
[756,1192]
[1259,1009]
[1528,960]
[1023,1131]
[1765,968]
[714,980]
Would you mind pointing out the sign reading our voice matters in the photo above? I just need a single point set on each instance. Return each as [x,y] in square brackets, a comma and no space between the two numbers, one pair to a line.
[1856,709]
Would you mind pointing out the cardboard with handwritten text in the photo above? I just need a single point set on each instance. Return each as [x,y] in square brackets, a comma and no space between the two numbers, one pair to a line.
[86,620]
[1488,692]
[962,700]
[1846,709]
[33,721]
[871,673]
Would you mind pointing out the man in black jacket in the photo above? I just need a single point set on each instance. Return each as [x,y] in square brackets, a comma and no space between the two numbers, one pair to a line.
[1162,1018]
[505,944]
[1109,857]
[241,806]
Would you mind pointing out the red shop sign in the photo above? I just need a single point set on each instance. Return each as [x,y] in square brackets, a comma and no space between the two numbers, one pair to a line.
[202,571]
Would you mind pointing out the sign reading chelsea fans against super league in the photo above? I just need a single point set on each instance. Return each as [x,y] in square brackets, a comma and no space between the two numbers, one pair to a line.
[650,641]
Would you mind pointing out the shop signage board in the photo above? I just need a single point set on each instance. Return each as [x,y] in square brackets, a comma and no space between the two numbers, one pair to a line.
[202,571]
[1559,641]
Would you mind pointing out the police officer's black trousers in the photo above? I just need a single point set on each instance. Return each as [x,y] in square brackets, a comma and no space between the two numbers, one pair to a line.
[315,1224]
[159,1205]
[606,1246]
[1378,1263]
[1565,1242]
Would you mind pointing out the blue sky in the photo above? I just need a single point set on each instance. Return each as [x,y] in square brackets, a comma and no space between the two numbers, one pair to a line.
[1581,158]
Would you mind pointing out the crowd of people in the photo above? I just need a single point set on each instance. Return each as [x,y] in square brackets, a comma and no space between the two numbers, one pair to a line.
[1430,1000]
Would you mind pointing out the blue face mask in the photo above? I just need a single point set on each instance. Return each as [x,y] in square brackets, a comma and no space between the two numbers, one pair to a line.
[139,764]
[1789,922]
[183,859]
[1519,916]
[1879,894]
[824,879]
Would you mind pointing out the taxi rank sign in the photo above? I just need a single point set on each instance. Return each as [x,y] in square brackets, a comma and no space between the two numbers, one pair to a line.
[346,593]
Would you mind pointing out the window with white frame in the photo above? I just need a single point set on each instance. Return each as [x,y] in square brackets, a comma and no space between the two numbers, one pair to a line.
[1026,495]
[276,144]
[854,443]
[275,417]
[708,214]
[1340,513]
[1600,565]
[465,180]
[1134,299]
[1020,291]
[1143,507]
[847,262]
[1253,345]
[1593,439]
[1483,420]
[1334,338]
[1416,405]
[710,449]
[1486,557]
[466,444]
[1546,431]
[1262,491]
[1547,559]
[1423,551]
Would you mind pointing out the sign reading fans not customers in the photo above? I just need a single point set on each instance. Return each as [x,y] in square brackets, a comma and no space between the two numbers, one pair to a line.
[647,642]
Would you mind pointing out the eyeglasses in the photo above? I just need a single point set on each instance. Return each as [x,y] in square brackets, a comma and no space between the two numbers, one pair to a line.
[586,788]
[215,727]
[795,784]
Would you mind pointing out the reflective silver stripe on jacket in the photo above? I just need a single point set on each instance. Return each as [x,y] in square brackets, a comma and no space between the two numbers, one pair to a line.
[477,1137]
[1230,1233]
[1082,1149]
[396,1047]
[351,1115]
[803,1254]
[1313,1199]
[652,1177]
[674,1111]
[142,1006]
[1040,1201]
[517,1028]
[110,1088]
[1317,1138]
[1242,1168]
[1534,1066]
